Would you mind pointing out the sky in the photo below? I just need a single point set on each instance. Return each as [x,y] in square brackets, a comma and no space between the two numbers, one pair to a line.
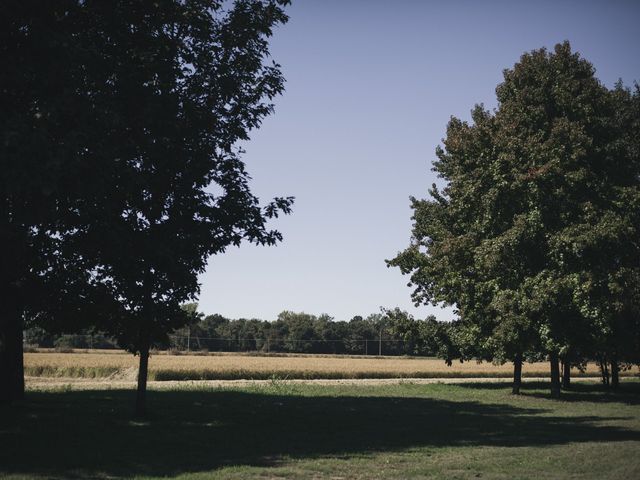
[370,87]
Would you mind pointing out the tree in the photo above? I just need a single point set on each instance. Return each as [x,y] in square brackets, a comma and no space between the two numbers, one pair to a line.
[182,336]
[403,327]
[212,327]
[300,331]
[442,339]
[450,259]
[378,324]
[327,332]
[606,245]
[140,176]
[189,81]
[360,335]
[49,123]
[519,181]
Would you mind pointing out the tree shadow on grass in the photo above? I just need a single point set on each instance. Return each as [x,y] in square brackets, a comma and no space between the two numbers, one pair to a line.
[628,393]
[78,434]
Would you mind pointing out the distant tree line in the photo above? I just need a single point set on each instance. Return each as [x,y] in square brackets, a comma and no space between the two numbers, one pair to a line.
[391,332]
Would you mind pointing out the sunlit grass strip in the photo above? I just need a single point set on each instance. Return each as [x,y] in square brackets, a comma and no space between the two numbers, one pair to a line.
[195,374]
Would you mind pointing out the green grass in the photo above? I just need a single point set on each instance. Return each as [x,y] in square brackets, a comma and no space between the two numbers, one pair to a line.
[296,431]
[240,374]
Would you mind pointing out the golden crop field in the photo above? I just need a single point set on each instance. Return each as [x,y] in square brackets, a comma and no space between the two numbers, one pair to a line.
[236,366]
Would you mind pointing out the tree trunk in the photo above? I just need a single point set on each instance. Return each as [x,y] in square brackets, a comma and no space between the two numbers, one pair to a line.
[11,357]
[517,374]
[141,394]
[615,373]
[604,369]
[555,375]
[566,373]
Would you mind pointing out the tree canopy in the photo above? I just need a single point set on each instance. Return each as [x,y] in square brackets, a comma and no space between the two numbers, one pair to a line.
[132,138]
[534,193]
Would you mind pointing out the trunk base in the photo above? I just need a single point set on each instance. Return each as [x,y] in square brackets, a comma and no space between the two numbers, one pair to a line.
[517,375]
[615,374]
[604,370]
[555,375]
[566,374]
[11,356]
[141,392]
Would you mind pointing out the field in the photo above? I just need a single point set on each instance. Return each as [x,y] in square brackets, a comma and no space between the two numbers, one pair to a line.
[297,431]
[162,367]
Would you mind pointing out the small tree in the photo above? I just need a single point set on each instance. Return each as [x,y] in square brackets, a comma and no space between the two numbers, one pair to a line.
[186,81]
[403,327]
[378,324]
[300,331]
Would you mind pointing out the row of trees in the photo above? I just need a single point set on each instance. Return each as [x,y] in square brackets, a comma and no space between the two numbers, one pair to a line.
[391,332]
[120,170]
[535,236]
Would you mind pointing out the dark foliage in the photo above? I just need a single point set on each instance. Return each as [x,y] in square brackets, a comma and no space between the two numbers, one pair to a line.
[121,171]
[534,236]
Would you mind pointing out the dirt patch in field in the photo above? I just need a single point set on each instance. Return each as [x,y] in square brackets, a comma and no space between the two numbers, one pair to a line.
[129,374]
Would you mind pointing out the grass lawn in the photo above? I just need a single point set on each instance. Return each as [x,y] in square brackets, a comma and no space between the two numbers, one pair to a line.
[304,431]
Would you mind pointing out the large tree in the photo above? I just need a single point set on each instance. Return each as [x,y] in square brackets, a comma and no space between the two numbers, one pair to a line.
[48,124]
[605,247]
[519,181]
[198,84]
[139,145]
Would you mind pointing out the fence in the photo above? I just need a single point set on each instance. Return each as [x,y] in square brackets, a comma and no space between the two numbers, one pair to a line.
[192,343]
[362,346]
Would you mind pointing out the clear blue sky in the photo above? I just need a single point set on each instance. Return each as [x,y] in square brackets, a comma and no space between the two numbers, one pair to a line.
[370,88]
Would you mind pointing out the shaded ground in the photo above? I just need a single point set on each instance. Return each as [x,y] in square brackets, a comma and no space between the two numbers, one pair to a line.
[289,430]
